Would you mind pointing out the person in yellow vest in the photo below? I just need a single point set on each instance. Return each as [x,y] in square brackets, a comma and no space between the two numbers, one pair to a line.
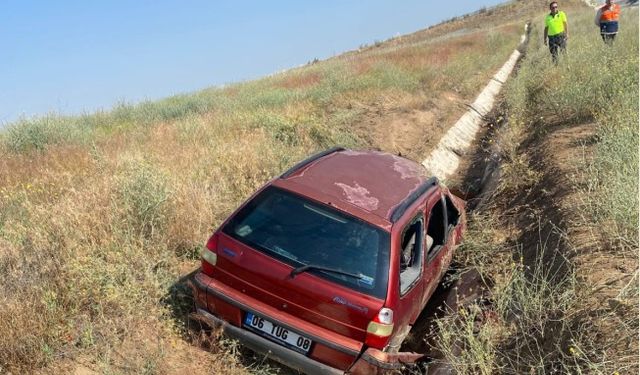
[607,20]
[556,30]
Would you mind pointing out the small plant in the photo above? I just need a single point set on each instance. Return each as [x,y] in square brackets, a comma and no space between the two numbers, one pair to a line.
[467,341]
[143,194]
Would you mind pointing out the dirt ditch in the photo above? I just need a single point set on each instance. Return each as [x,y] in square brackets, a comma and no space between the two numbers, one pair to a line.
[459,287]
[545,232]
[475,180]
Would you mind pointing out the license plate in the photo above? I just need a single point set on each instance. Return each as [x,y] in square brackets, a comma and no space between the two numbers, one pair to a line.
[281,334]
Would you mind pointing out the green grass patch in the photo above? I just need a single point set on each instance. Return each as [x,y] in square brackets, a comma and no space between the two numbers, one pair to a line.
[593,82]
[28,135]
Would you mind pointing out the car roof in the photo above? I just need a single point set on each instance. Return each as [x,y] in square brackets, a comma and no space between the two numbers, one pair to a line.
[376,182]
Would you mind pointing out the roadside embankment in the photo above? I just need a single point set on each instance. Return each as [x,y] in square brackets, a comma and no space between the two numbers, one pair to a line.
[445,158]
[101,215]
[558,235]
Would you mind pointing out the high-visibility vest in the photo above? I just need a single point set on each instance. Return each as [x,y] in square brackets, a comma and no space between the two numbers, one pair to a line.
[610,14]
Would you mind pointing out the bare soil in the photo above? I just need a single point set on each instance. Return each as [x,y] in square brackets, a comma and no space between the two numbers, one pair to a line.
[543,217]
[411,127]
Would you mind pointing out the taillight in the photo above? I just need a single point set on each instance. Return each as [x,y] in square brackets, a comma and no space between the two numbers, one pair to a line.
[209,255]
[380,328]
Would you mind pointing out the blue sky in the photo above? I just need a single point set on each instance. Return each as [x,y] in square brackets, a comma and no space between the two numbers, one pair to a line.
[75,56]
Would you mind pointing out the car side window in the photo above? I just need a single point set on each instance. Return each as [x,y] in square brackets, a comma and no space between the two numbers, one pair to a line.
[436,230]
[412,253]
[453,215]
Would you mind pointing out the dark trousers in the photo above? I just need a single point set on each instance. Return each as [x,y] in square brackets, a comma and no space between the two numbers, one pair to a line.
[608,38]
[557,42]
[608,31]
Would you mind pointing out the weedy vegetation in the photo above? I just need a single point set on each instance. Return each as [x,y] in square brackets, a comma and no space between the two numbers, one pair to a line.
[103,214]
[563,247]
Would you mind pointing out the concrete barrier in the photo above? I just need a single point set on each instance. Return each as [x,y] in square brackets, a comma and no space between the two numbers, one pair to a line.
[445,158]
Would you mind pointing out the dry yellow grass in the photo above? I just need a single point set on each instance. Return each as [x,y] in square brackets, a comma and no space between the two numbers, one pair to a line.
[101,215]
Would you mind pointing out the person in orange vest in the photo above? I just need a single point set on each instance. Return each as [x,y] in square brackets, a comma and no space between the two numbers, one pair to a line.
[607,19]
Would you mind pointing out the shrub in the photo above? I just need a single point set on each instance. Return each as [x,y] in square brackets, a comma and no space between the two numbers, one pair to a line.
[143,194]
[39,133]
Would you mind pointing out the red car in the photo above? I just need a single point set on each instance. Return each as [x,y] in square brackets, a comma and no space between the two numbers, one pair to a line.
[327,267]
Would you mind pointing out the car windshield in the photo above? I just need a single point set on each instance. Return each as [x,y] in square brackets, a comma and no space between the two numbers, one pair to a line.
[301,232]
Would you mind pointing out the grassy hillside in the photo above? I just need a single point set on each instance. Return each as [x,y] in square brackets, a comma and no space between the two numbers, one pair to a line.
[101,214]
[559,239]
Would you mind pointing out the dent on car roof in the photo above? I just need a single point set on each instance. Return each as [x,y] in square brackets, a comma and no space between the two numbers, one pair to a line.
[373,181]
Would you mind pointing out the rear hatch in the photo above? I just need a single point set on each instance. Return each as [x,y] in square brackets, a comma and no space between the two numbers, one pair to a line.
[306,259]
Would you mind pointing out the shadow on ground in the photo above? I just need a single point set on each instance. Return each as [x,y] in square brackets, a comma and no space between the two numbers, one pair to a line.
[180,302]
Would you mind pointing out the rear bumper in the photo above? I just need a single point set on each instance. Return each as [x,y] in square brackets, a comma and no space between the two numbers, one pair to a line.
[371,361]
[261,345]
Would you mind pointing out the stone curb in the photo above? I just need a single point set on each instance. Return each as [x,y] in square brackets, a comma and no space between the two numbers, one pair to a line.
[445,159]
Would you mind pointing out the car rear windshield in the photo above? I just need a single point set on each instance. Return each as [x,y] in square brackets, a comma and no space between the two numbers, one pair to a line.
[301,232]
